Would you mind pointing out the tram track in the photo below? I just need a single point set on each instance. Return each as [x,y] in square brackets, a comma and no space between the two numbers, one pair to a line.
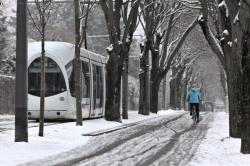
[11,125]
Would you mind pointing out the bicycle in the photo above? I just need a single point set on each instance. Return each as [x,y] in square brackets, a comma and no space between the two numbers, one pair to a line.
[194,115]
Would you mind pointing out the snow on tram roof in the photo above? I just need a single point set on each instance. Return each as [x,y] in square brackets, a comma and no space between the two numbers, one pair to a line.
[64,51]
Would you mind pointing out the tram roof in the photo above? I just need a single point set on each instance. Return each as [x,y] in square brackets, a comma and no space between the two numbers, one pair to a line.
[64,51]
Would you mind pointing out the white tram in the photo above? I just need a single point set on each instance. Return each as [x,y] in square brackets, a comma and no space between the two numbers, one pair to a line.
[59,82]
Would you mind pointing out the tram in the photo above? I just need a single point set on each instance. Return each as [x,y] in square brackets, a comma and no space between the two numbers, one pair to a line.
[59,82]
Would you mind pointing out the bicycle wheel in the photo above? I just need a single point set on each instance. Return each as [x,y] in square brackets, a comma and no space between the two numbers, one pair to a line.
[194,116]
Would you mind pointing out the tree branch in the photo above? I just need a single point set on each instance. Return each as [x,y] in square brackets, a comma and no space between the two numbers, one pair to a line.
[179,45]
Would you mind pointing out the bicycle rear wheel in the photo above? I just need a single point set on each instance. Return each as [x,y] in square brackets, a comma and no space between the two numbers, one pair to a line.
[194,115]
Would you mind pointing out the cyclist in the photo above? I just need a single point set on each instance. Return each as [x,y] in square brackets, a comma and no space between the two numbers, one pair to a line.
[194,99]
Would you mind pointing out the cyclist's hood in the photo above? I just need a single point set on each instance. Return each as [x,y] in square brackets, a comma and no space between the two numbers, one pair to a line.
[194,90]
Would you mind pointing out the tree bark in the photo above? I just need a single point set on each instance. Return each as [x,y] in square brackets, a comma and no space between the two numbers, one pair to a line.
[245,134]
[42,78]
[21,120]
[155,86]
[244,37]
[113,85]
[77,65]
[164,86]
[229,60]
[143,98]
[173,94]
[125,85]
[42,88]
[233,69]
[112,12]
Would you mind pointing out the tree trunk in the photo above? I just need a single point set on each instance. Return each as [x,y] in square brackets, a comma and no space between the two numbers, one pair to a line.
[77,65]
[173,94]
[144,92]
[21,120]
[233,69]
[155,85]
[112,107]
[77,77]
[42,89]
[164,85]
[42,78]
[234,96]
[147,86]
[245,135]
[244,35]
[125,85]
[229,60]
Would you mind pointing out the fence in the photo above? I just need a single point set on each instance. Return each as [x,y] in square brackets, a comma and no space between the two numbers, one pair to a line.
[7,94]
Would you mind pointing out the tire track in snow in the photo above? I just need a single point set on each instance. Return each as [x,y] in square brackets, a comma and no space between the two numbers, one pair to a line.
[97,147]
[182,146]
[164,152]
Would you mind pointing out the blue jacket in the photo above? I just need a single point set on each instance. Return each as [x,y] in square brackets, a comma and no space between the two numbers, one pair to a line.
[194,96]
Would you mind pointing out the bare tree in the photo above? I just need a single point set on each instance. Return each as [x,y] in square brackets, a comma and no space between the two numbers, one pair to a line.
[81,18]
[21,120]
[231,46]
[242,33]
[40,21]
[125,17]
[164,45]
[230,62]
[120,42]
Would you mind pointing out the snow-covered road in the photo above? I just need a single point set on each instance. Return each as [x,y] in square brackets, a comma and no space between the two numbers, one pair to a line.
[167,140]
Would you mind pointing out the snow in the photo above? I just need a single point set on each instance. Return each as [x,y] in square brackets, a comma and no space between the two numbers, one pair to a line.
[10,8]
[218,149]
[6,76]
[229,43]
[64,137]
[57,138]
[236,18]
[235,40]
[110,48]
[225,32]
[139,33]
[223,4]
[200,18]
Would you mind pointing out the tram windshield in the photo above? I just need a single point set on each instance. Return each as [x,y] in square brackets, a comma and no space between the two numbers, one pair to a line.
[54,80]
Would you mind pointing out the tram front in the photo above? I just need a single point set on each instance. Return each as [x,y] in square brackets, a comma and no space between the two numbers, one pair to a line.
[55,91]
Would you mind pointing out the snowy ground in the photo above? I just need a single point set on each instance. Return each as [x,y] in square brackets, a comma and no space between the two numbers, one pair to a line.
[57,138]
[65,137]
[218,149]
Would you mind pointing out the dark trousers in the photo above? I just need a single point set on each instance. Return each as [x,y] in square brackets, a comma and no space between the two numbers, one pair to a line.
[194,106]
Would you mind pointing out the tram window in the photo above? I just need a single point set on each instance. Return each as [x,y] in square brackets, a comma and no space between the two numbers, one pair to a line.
[70,73]
[85,79]
[94,85]
[54,80]
[97,86]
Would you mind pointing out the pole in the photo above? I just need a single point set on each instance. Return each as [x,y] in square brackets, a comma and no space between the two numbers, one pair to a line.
[21,121]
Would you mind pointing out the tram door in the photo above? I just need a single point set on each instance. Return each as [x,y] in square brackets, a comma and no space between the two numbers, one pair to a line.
[85,87]
[97,90]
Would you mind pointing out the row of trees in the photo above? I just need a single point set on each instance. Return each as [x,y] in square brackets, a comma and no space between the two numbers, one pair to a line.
[230,44]
[160,20]
[162,41]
